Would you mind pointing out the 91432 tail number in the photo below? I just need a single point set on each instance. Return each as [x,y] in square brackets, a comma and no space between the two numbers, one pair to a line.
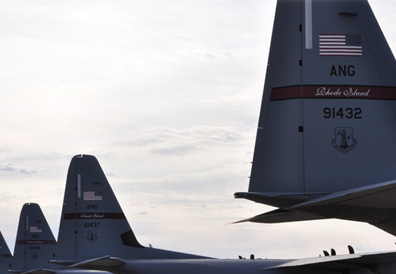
[342,113]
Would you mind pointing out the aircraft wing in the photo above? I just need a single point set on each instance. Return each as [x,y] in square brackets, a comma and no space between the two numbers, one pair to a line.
[374,204]
[341,262]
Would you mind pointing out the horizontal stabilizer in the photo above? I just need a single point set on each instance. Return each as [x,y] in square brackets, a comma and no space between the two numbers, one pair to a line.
[281,216]
[377,195]
[278,199]
[62,262]
[369,261]
[101,263]
[374,204]
[34,271]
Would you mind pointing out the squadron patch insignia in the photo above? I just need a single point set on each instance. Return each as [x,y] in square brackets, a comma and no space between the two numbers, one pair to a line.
[343,140]
[34,255]
[92,236]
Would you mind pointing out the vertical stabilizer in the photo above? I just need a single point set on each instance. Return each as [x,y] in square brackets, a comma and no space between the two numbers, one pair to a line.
[92,221]
[5,255]
[327,126]
[35,243]
[327,120]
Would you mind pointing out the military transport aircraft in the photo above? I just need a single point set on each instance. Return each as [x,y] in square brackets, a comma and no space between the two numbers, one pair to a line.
[298,111]
[325,145]
[95,234]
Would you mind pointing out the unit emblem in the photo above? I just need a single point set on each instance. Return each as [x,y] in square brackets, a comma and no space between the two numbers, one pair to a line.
[343,140]
[92,236]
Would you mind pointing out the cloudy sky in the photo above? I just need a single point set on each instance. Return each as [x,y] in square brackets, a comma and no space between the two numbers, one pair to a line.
[166,95]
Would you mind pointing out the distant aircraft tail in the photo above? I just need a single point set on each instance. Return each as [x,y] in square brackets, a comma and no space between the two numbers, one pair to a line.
[92,222]
[35,243]
[327,122]
[5,255]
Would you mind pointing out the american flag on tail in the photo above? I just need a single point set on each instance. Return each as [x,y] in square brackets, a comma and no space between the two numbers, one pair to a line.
[340,45]
[92,196]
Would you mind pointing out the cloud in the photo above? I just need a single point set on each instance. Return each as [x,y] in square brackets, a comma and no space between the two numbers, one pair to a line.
[8,167]
[198,52]
[14,168]
[182,141]
[164,58]
[27,171]
[205,53]
[174,150]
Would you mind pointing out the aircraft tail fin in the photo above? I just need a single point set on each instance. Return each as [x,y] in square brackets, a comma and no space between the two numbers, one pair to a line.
[327,121]
[35,242]
[5,255]
[327,117]
[92,223]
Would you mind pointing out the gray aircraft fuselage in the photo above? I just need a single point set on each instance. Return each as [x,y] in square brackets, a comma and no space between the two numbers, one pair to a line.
[244,266]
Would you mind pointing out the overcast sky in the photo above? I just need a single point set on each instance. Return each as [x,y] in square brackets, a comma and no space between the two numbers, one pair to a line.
[166,95]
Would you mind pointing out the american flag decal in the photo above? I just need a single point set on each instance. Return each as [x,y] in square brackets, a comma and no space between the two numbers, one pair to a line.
[340,45]
[92,196]
[35,229]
